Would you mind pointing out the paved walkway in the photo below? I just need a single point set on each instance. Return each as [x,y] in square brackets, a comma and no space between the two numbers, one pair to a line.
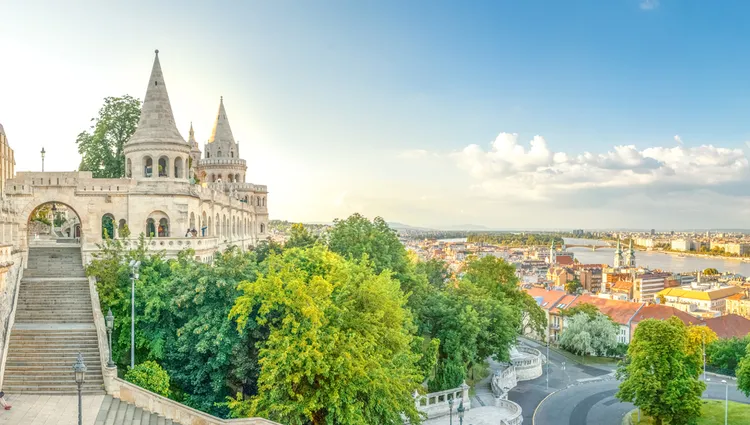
[49,410]
[488,415]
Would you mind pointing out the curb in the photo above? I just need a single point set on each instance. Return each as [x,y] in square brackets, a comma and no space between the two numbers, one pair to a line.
[533,417]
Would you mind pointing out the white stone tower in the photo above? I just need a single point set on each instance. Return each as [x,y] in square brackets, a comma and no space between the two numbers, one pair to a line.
[222,160]
[618,255]
[195,152]
[552,253]
[157,150]
[631,255]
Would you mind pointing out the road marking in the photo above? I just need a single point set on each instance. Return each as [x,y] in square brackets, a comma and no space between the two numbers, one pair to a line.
[533,417]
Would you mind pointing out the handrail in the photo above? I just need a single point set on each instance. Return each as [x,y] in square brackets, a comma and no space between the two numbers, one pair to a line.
[11,314]
[515,409]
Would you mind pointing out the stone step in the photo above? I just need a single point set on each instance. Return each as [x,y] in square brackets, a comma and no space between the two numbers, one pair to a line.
[54,389]
[117,412]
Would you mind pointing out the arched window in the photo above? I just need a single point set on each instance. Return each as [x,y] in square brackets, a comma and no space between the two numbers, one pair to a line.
[157,225]
[164,167]
[163,228]
[192,221]
[237,178]
[128,168]
[262,228]
[148,166]
[258,200]
[231,178]
[178,168]
[150,228]
[108,226]
[264,201]
[231,154]
[217,224]
[204,228]
[121,228]
[208,154]
[225,230]
[213,178]
[218,154]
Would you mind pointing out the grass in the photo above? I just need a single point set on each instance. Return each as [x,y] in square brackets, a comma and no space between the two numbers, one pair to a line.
[712,413]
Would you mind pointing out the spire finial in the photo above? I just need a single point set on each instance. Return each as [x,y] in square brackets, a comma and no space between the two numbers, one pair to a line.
[157,52]
[221,99]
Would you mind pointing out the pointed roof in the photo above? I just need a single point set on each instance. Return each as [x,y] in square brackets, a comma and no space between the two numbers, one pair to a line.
[156,124]
[619,249]
[191,139]
[222,132]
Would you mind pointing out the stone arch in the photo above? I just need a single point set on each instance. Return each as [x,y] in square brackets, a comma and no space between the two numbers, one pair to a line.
[178,169]
[121,227]
[129,168]
[157,224]
[163,166]
[108,226]
[148,166]
[73,228]
[258,200]
[262,228]
[231,178]
[208,154]
[218,154]
[231,153]
[237,177]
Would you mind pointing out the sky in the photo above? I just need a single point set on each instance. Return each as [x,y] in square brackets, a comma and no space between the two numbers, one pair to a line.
[506,114]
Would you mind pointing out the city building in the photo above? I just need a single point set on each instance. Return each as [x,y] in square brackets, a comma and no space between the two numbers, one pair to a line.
[661,312]
[707,303]
[646,286]
[737,304]
[7,160]
[729,326]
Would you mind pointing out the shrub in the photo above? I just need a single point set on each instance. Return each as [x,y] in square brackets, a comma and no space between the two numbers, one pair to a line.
[149,375]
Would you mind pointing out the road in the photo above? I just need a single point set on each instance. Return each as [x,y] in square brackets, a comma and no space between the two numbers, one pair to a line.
[594,403]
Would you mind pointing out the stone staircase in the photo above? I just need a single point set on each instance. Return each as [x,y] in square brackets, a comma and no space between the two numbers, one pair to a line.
[54,322]
[118,412]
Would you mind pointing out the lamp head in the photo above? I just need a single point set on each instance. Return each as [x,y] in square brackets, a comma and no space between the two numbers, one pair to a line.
[110,320]
[461,410]
[80,370]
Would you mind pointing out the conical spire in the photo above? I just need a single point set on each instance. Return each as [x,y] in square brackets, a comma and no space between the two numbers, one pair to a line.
[156,124]
[191,137]
[222,132]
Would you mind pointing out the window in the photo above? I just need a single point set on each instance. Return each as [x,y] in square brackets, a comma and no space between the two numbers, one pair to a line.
[150,228]
[178,168]
[163,228]
[237,178]
[121,227]
[231,154]
[148,165]
[208,154]
[163,167]
[192,221]
[218,153]
[128,169]
[262,228]
[108,226]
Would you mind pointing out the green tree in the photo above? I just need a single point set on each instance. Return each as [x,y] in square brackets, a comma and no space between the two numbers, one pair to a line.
[149,375]
[726,354]
[300,237]
[108,227]
[589,309]
[59,219]
[435,270]
[338,349]
[357,236]
[710,271]
[659,376]
[573,286]
[101,147]
[743,373]
[586,335]
[41,214]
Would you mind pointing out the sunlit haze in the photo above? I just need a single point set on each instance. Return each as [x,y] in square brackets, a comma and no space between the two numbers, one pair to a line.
[533,114]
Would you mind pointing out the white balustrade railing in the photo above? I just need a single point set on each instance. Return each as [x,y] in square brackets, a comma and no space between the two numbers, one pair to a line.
[515,410]
[503,381]
[439,403]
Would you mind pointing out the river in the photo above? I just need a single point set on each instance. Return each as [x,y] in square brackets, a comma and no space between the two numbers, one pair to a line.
[659,260]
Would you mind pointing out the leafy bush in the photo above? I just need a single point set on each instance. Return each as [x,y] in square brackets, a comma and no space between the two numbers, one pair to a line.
[151,376]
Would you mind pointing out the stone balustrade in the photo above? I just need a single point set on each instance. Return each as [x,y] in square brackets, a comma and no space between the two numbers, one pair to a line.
[516,417]
[438,404]
[503,381]
[11,273]
[529,364]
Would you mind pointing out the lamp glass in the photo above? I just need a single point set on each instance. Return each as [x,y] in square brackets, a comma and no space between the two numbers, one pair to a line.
[110,320]
[461,410]
[80,369]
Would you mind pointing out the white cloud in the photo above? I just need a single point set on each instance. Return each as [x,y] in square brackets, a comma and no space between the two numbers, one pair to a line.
[678,139]
[535,172]
[649,4]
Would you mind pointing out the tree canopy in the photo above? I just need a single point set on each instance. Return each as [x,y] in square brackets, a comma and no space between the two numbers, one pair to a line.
[101,147]
[585,334]
[659,375]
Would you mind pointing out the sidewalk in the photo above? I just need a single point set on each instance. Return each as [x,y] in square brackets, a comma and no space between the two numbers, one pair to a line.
[49,410]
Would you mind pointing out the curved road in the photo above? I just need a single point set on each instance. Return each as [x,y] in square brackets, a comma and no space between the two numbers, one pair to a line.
[595,403]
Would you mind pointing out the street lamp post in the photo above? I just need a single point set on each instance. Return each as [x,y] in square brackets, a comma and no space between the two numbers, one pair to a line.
[703,335]
[461,411]
[450,411]
[726,401]
[110,321]
[43,152]
[547,363]
[80,374]
[134,265]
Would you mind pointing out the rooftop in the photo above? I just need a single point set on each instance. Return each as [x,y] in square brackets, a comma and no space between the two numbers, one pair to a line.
[729,326]
[664,312]
[619,311]
[547,298]
[714,294]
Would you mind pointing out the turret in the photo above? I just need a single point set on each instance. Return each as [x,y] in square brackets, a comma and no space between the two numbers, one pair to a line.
[156,149]
[222,160]
[618,255]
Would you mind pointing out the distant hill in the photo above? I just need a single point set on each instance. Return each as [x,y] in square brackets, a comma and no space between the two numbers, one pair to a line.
[465,227]
[401,226]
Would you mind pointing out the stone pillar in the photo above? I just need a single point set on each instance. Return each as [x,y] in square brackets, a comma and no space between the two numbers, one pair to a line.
[465,395]
[416,399]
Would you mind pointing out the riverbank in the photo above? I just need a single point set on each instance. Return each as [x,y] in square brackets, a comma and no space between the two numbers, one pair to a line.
[699,255]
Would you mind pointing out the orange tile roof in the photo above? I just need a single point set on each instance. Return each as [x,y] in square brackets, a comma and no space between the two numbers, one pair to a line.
[564,260]
[619,311]
[736,297]
[728,326]
[549,298]
[564,302]
[664,312]
[622,284]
